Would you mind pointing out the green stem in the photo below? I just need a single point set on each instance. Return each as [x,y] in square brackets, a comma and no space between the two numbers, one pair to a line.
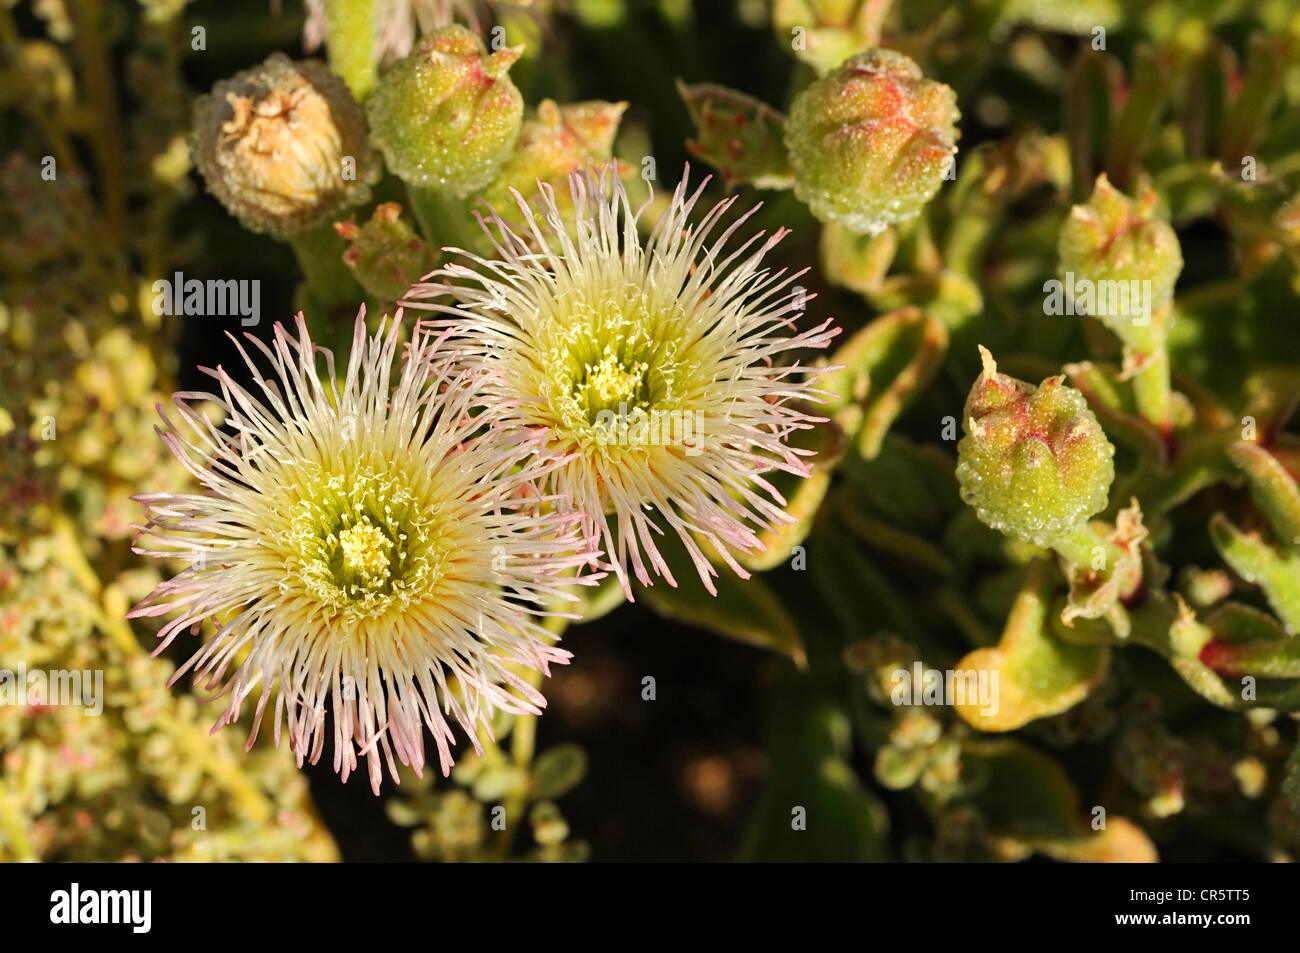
[99,85]
[1080,544]
[444,219]
[1146,346]
[1152,391]
[350,30]
[523,744]
[320,256]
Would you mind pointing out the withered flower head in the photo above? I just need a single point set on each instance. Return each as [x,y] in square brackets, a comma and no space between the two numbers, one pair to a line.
[283,146]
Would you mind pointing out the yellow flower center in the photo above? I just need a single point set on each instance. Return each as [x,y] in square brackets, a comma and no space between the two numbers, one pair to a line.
[363,541]
[610,382]
[366,552]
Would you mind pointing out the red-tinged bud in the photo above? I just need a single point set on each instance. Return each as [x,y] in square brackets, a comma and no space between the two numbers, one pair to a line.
[871,143]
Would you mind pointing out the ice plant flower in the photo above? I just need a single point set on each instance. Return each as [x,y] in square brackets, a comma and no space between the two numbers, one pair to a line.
[283,146]
[356,547]
[655,369]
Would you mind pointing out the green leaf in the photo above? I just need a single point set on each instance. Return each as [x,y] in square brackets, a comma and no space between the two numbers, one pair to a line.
[812,785]
[1276,573]
[1037,674]
[1021,792]
[1249,642]
[1026,796]
[885,365]
[557,771]
[909,484]
[743,609]
[1271,487]
[804,495]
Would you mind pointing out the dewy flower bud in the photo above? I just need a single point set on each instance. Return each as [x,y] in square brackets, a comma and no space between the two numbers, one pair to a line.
[824,33]
[562,139]
[1034,462]
[1116,238]
[283,146]
[447,116]
[870,143]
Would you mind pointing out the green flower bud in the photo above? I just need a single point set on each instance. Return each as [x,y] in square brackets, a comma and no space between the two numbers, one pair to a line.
[870,144]
[560,140]
[1034,462]
[738,135]
[447,116]
[824,33]
[283,146]
[385,255]
[1116,238]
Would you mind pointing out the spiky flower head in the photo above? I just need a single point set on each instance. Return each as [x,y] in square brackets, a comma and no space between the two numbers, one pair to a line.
[447,116]
[1035,461]
[1112,237]
[283,146]
[354,547]
[871,142]
[656,368]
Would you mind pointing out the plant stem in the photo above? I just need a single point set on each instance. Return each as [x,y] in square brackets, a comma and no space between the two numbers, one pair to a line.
[444,219]
[1152,391]
[98,82]
[523,744]
[1080,544]
[320,256]
[350,30]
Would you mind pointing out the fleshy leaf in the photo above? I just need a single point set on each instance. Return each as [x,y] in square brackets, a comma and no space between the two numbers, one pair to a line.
[814,807]
[744,609]
[738,135]
[1249,642]
[1027,797]
[557,770]
[1277,573]
[885,365]
[804,495]
[1273,489]
[1037,674]
[1120,842]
